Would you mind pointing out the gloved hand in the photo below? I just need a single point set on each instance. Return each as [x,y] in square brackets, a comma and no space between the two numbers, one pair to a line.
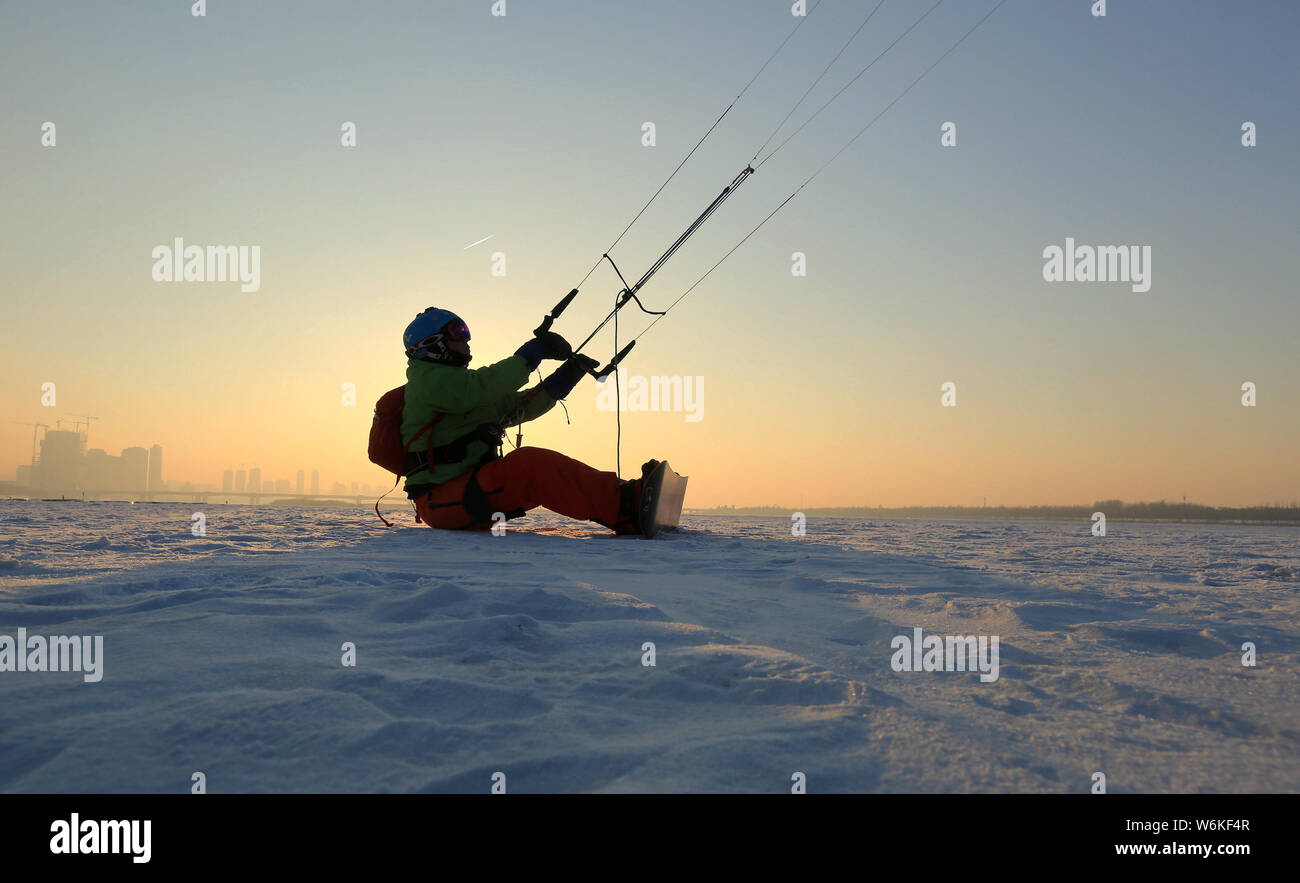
[544,346]
[566,377]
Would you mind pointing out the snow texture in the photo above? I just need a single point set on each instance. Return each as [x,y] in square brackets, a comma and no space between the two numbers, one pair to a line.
[523,654]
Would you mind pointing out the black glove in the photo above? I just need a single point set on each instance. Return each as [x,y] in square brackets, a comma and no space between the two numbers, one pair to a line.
[566,377]
[547,345]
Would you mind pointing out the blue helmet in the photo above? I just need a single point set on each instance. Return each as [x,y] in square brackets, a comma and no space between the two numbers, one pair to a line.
[427,335]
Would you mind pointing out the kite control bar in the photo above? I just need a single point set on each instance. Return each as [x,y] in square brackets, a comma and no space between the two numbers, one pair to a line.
[555,313]
[613,363]
[599,374]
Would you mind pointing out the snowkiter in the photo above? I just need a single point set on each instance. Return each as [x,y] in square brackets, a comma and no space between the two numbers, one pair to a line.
[454,419]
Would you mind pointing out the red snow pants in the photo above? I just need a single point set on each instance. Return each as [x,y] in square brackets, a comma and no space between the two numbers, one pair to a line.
[524,479]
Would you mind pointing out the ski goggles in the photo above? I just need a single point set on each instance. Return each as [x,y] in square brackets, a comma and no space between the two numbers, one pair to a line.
[456,330]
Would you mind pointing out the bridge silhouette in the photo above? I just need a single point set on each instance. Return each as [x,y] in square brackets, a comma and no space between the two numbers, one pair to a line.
[192,496]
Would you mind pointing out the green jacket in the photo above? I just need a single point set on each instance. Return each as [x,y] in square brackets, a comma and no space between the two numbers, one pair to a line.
[465,398]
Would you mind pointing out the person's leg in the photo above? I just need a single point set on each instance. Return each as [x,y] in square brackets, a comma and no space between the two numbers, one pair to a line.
[530,477]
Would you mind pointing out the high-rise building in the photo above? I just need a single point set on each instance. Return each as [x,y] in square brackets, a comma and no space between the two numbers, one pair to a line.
[228,480]
[100,470]
[254,480]
[135,469]
[315,481]
[56,470]
[240,479]
[301,478]
[155,468]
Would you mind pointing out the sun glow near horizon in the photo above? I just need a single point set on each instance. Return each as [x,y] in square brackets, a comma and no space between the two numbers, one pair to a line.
[923,264]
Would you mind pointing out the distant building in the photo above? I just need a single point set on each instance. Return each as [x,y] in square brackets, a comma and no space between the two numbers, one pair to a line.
[301,478]
[268,487]
[98,470]
[128,473]
[282,485]
[56,470]
[24,476]
[135,469]
[315,482]
[338,488]
[254,480]
[155,468]
[228,480]
[240,479]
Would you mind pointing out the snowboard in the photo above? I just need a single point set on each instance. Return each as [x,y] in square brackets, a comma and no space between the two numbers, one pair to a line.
[661,500]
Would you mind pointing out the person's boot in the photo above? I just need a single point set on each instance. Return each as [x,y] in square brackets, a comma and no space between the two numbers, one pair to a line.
[629,507]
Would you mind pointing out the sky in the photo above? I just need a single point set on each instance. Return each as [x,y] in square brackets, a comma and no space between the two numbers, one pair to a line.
[924,262]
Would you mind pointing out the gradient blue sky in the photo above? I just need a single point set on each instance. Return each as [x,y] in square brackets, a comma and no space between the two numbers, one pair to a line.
[924,263]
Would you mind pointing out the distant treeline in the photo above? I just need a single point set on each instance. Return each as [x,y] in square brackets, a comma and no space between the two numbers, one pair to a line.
[1114,510]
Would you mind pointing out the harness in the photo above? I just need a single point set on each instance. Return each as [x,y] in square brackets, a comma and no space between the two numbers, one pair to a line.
[457,449]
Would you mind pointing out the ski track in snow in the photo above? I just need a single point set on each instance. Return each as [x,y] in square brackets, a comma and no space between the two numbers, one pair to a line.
[522,654]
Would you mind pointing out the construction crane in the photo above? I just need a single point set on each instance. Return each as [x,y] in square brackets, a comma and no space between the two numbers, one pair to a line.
[82,420]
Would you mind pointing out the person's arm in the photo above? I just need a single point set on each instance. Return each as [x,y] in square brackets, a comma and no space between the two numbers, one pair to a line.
[564,378]
[523,406]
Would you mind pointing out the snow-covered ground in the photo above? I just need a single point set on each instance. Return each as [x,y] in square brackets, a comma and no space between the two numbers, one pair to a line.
[523,654]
